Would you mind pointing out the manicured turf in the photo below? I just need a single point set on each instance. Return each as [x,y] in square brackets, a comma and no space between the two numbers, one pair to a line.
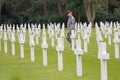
[15,68]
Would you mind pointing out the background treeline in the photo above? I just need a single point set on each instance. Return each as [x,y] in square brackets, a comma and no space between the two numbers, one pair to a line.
[45,11]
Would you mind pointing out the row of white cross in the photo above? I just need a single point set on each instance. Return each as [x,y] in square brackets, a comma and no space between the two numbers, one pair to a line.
[82,31]
[54,33]
[106,30]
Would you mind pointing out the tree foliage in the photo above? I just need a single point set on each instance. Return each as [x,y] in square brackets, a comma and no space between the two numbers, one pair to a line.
[46,11]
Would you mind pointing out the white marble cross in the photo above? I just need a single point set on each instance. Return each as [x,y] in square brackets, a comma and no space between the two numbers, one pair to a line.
[85,42]
[78,52]
[62,34]
[21,41]
[13,42]
[60,49]
[103,56]
[63,26]
[32,44]
[116,42]
[5,40]
[24,33]
[9,30]
[52,37]
[1,35]
[78,30]
[99,37]
[72,39]
[37,35]
[109,35]
[44,47]
[49,30]
[89,29]
[57,30]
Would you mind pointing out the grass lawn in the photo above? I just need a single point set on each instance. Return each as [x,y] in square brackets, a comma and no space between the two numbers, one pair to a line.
[15,68]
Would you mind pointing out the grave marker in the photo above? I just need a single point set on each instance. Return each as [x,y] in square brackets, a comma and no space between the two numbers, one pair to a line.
[1,33]
[72,39]
[60,49]
[78,52]
[103,56]
[21,41]
[5,40]
[116,42]
[44,47]
[13,42]
[32,44]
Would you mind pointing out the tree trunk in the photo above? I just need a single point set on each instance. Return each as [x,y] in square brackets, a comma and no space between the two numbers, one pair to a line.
[107,6]
[90,12]
[46,13]
[0,9]
[78,16]
[59,8]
